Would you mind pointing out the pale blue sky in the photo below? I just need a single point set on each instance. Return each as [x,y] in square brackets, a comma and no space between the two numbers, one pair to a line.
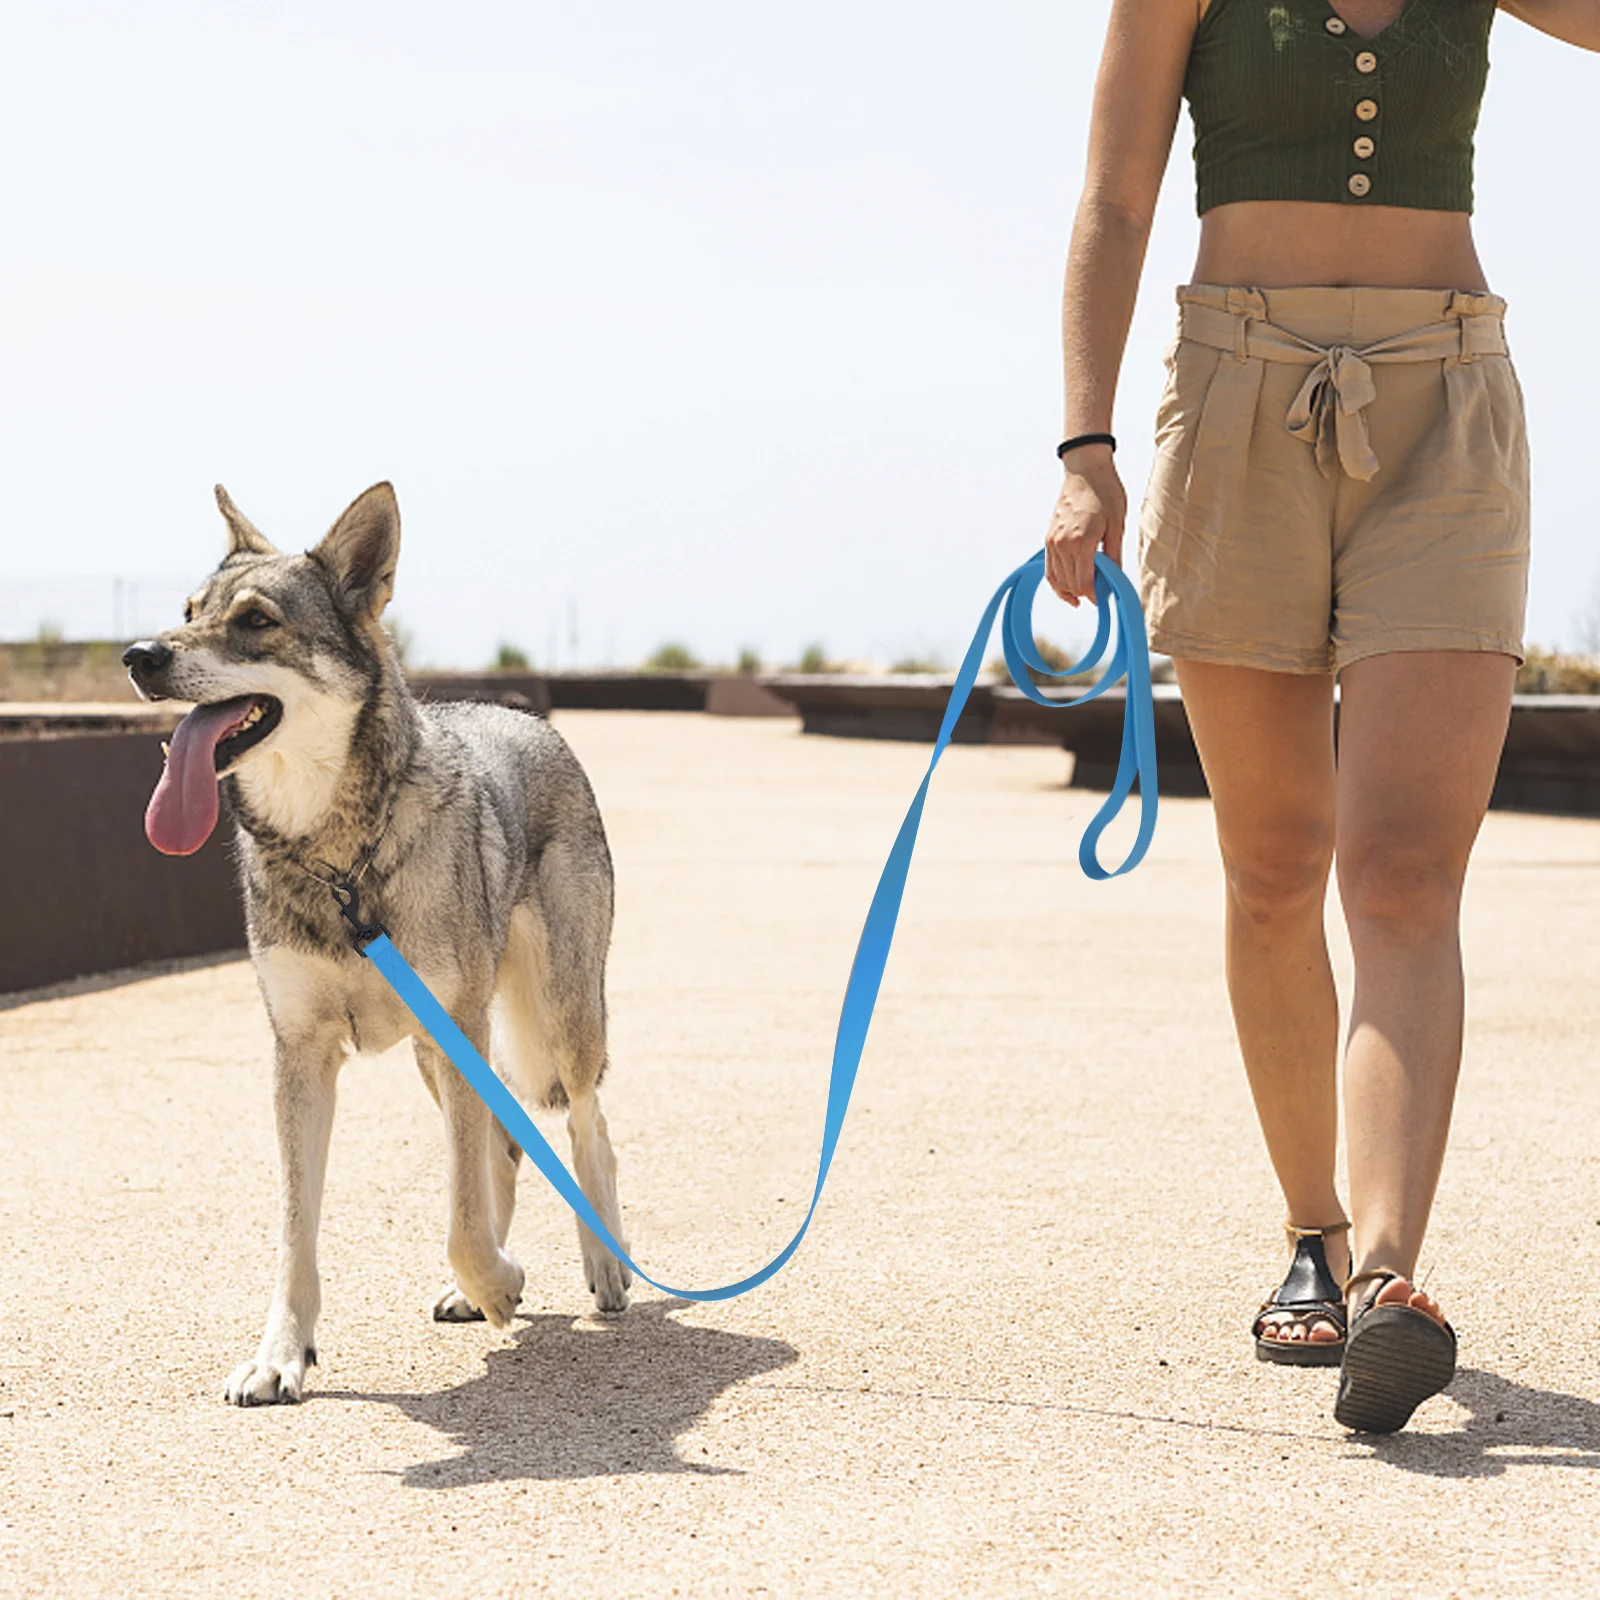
[730,323]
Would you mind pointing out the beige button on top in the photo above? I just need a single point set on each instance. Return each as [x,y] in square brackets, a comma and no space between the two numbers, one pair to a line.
[1366,62]
[1366,109]
[1363,147]
[1334,25]
[1360,183]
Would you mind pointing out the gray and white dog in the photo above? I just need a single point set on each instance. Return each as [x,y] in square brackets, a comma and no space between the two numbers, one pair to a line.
[474,838]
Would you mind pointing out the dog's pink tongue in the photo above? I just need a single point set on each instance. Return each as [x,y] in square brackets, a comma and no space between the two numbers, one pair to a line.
[183,810]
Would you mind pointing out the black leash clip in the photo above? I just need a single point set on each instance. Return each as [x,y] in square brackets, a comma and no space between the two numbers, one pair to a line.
[348,898]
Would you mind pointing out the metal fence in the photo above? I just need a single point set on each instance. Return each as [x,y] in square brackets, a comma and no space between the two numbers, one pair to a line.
[90,608]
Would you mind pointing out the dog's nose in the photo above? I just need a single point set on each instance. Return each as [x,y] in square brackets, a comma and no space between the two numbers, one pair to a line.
[146,656]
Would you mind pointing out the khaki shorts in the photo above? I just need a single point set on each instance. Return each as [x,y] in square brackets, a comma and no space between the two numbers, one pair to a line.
[1339,473]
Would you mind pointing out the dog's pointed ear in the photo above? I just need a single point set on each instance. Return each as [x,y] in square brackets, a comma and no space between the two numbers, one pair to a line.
[243,534]
[360,550]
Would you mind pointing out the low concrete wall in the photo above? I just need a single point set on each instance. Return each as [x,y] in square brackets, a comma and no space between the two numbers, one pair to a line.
[720,694]
[1552,755]
[902,705]
[1551,761]
[82,889]
[1093,733]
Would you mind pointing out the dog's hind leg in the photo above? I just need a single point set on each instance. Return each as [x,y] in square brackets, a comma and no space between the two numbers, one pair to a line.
[304,1081]
[575,896]
[505,1160]
[488,1280]
[551,1024]
[596,1166]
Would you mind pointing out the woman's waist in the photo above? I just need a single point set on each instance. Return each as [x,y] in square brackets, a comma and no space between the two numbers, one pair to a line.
[1284,244]
[1300,323]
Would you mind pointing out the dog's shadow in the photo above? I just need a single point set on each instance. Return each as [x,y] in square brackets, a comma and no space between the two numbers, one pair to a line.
[1509,1424]
[583,1398]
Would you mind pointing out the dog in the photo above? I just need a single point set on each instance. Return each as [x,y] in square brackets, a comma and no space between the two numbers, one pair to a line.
[471,834]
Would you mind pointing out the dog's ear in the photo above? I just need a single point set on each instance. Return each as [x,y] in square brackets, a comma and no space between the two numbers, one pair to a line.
[360,550]
[243,534]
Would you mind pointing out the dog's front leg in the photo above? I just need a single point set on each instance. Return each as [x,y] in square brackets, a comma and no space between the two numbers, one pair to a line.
[488,1278]
[304,1081]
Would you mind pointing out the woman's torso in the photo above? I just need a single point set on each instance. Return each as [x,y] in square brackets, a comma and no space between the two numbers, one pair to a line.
[1279,243]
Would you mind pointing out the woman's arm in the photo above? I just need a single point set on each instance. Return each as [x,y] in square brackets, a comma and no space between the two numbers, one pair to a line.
[1573,21]
[1137,96]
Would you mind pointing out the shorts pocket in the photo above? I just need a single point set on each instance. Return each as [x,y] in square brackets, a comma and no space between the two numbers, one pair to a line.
[1203,438]
[1190,370]
[1488,447]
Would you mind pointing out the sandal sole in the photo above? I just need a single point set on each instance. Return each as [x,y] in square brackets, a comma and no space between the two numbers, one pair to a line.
[1301,1352]
[1395,1358]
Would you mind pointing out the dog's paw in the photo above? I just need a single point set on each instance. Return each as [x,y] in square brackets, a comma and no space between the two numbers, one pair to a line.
[494,1293]
[267,1381]
[608,1280]
[453,1306]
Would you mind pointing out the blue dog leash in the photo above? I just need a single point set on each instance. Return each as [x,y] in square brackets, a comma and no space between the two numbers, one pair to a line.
[1131,659]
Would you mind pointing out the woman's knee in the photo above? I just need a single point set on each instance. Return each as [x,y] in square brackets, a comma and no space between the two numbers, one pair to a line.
[1280,874]
[1404,886]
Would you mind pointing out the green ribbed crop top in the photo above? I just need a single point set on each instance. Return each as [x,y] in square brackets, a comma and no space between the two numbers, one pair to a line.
[1290,103]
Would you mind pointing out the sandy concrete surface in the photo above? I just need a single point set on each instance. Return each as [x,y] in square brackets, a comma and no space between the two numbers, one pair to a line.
[1012,1358]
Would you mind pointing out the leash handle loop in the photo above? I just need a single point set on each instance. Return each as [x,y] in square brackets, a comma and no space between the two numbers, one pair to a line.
[1130,659]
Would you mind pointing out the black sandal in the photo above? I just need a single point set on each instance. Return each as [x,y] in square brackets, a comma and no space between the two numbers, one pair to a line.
[1395,1358]
[1309,1295]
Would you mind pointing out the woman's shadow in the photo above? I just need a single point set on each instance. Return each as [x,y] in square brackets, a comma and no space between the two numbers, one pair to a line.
[583,1397]
[1509,1424]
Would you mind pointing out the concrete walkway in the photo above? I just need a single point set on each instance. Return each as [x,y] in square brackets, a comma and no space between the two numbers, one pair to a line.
[1012,1357]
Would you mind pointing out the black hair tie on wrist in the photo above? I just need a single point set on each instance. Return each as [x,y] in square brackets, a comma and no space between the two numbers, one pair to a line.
[1084,438]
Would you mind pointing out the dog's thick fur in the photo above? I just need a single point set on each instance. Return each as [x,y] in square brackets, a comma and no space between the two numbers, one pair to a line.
[491,875]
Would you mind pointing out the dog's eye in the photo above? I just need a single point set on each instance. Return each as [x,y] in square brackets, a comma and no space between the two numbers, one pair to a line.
[257,618]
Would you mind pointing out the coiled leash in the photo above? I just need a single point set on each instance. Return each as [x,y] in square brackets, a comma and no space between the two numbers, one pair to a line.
[1130,659]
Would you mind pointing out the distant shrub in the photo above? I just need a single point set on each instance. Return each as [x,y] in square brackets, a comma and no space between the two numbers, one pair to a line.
[672,658]
[918,664]
[749,664]
[813,659]
[510,658]
[1056,658]
[1546,672]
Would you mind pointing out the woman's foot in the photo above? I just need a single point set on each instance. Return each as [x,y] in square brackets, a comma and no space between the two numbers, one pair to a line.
[1399,1351]
[1302,1322]
[1401,1292]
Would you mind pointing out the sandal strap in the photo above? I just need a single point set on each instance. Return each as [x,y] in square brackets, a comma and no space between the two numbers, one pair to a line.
[1322,1232]
[1381,1276]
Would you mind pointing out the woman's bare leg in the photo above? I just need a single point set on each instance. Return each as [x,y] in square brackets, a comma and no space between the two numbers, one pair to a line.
[1420,736]
[1266,742]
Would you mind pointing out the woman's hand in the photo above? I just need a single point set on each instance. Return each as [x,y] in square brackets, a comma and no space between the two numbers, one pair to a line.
[1090,512]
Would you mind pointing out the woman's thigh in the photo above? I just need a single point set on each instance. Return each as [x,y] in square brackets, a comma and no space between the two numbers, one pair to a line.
[1420,737]
[1266,743]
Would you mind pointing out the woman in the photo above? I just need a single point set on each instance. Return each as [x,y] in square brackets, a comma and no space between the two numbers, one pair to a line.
[1340,490]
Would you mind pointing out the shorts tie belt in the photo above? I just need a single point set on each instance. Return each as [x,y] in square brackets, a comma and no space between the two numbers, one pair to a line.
[1328,412]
